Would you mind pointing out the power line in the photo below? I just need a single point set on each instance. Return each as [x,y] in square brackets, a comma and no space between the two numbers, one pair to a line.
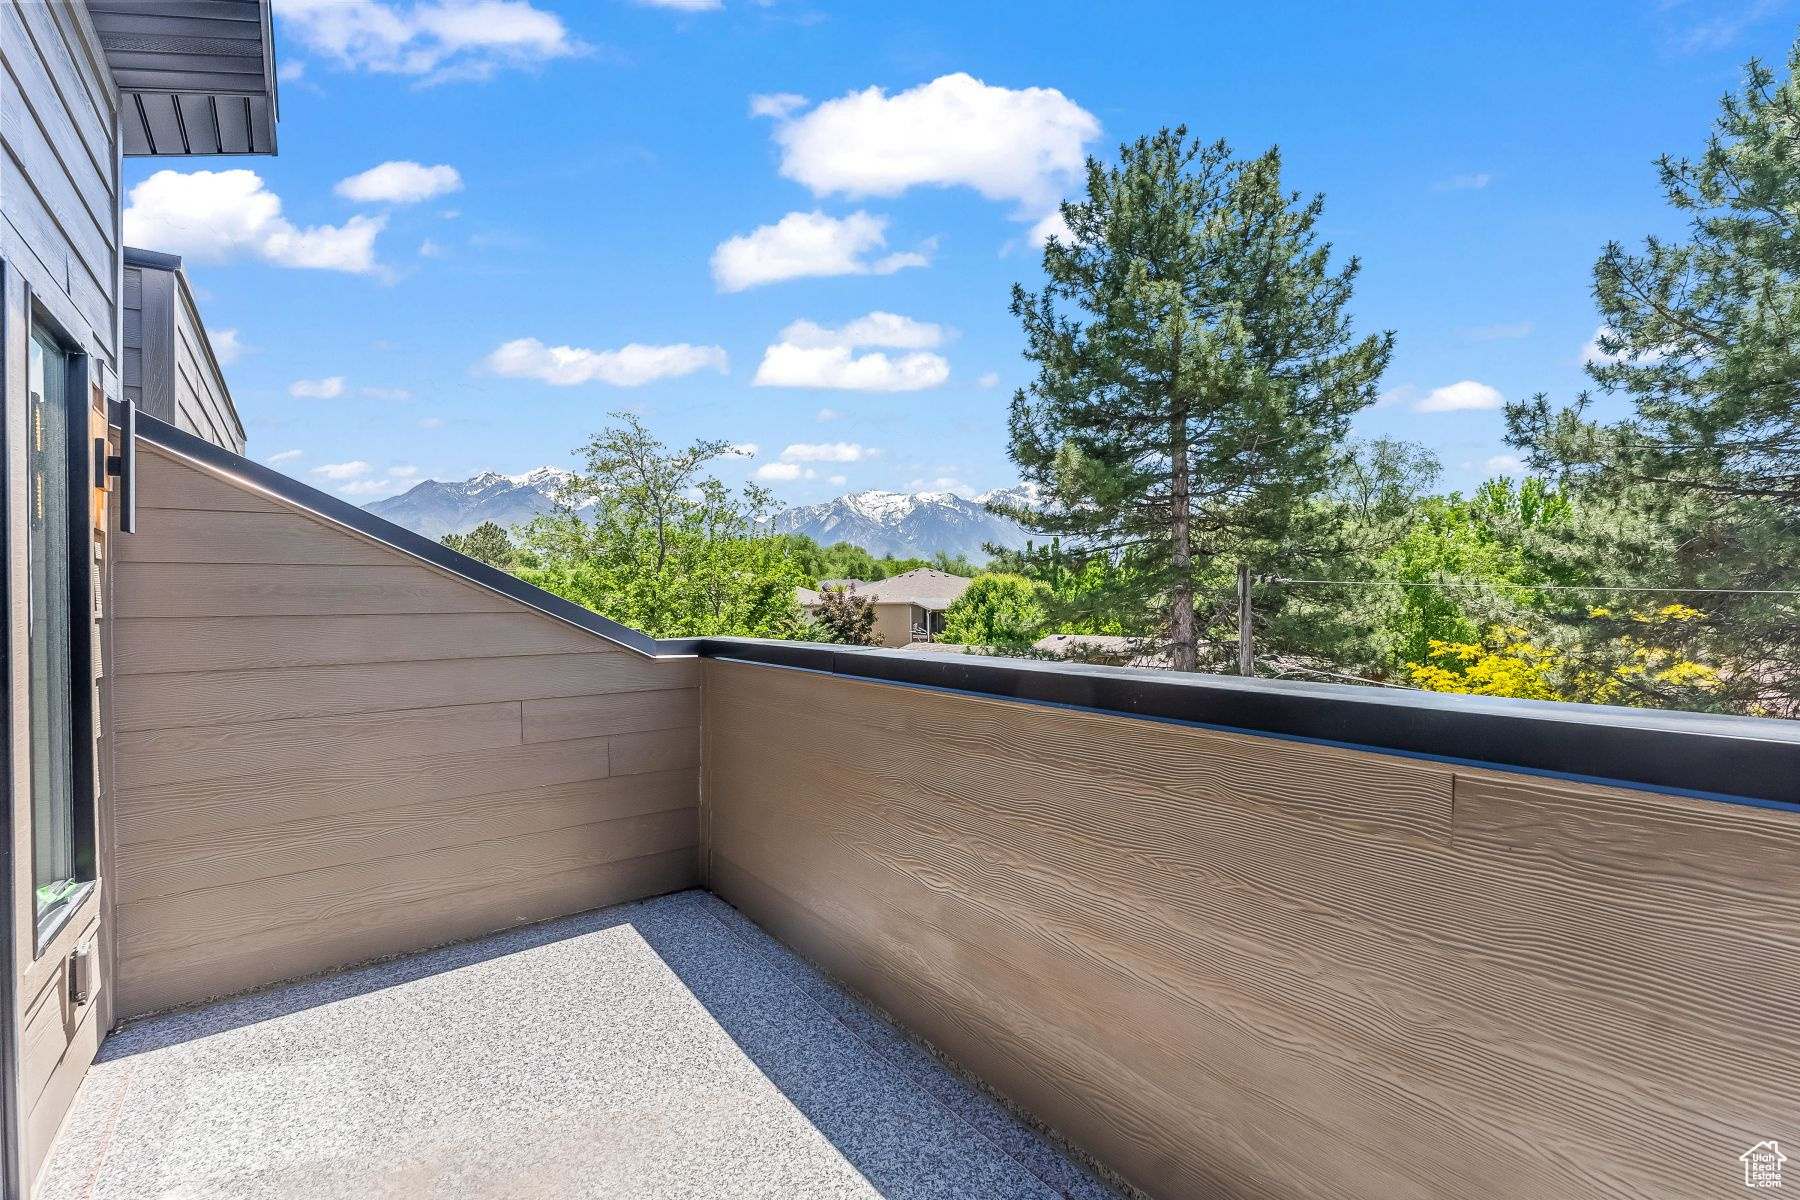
[1534,587]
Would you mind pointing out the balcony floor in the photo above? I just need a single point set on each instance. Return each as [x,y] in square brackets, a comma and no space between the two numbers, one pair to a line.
[660,1049]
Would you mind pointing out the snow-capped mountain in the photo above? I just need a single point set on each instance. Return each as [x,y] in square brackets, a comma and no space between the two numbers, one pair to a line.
[909,523]
[435,508]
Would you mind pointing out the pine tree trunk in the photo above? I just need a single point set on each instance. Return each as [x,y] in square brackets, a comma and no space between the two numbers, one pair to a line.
[1183,644]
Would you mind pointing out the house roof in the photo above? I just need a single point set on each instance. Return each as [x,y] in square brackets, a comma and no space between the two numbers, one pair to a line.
[924,586]
[194,78]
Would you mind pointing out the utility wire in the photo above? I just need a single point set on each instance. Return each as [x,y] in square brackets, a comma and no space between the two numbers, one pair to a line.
[1534,587]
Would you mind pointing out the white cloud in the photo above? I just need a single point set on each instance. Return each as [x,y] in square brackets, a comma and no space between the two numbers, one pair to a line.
[290,71]
[402,472]
[837,452]
[355,469]
[1592,354]
[1460,183]
[837,480]
[684,5]
[434,40]
[400,182]
[1504,464]
[219,216]
[628,366]
[284,456]
[370,487]
[782,472]
[1053,226]
[430,249]
[429,422]
[746,449]
[1459,397]
[943,483]
[806,245]
[988,379]
[379,393]
[829,414]
[329,388]
[1396,395]
[1025,145]
[811,356]
[877,329]
[778,105]
[227,347]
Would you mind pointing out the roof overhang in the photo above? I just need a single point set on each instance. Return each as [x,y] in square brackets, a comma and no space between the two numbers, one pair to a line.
[194,76]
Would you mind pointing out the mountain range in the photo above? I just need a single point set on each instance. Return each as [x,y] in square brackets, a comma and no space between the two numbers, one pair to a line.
[903,524]
[434,508]
[909,524]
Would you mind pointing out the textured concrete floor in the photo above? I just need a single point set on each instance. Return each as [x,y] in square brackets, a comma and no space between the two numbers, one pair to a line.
[662,1049]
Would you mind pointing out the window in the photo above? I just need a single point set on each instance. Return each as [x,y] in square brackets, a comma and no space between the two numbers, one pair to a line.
[55,857]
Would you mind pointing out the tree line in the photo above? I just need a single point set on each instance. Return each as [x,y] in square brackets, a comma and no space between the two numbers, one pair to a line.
[1196,371]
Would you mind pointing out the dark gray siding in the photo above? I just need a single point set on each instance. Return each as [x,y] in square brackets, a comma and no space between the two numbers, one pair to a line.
[170,368]
[59,238]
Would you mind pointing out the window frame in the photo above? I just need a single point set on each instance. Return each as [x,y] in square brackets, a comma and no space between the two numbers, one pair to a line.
[83,823]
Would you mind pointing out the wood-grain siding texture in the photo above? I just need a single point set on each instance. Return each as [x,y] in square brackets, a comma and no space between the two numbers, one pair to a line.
[1238,966]
[326,751]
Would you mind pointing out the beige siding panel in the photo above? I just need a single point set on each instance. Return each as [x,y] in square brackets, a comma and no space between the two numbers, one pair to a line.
[238,537]
[1244,966]
[259,914]
[169,482]
[321,757]
[242,590]
[656,750]
[329,788]
[297,693]
[627,712]
[151,985]
[205,644]
[161,758]
[240,855]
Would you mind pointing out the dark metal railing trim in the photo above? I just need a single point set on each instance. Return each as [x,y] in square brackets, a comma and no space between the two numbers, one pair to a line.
[1738,760]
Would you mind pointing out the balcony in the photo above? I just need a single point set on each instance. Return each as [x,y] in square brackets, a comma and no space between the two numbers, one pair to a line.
[1217,937]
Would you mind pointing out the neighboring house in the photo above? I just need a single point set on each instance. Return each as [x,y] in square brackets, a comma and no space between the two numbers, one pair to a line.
[87,82]
[909,607]
[170,370]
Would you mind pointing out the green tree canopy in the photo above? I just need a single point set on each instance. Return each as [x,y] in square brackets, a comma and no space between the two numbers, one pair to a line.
[1196,371]
[487,543]
[1001,611]
[668,549]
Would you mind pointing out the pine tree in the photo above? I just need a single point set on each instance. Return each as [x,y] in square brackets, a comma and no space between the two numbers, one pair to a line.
[1196,371]
[1700,486]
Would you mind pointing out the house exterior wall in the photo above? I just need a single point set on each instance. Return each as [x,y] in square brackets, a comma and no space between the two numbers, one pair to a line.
[328,751]
[1252,966]
[59,239]
[894,623]
[170,369]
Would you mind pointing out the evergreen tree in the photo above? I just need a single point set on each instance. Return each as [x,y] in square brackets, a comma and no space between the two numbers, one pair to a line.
[1700,486]
[1196,371]
[487,543]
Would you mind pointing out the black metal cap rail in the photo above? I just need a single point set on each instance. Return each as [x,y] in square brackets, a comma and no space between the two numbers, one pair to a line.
[1735,759]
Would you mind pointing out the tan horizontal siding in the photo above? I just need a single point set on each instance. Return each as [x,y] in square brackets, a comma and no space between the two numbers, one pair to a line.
[327,751]
[206,644]
[1231,965]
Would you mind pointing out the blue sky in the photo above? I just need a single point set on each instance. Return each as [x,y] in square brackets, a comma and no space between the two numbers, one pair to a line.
[793,224]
